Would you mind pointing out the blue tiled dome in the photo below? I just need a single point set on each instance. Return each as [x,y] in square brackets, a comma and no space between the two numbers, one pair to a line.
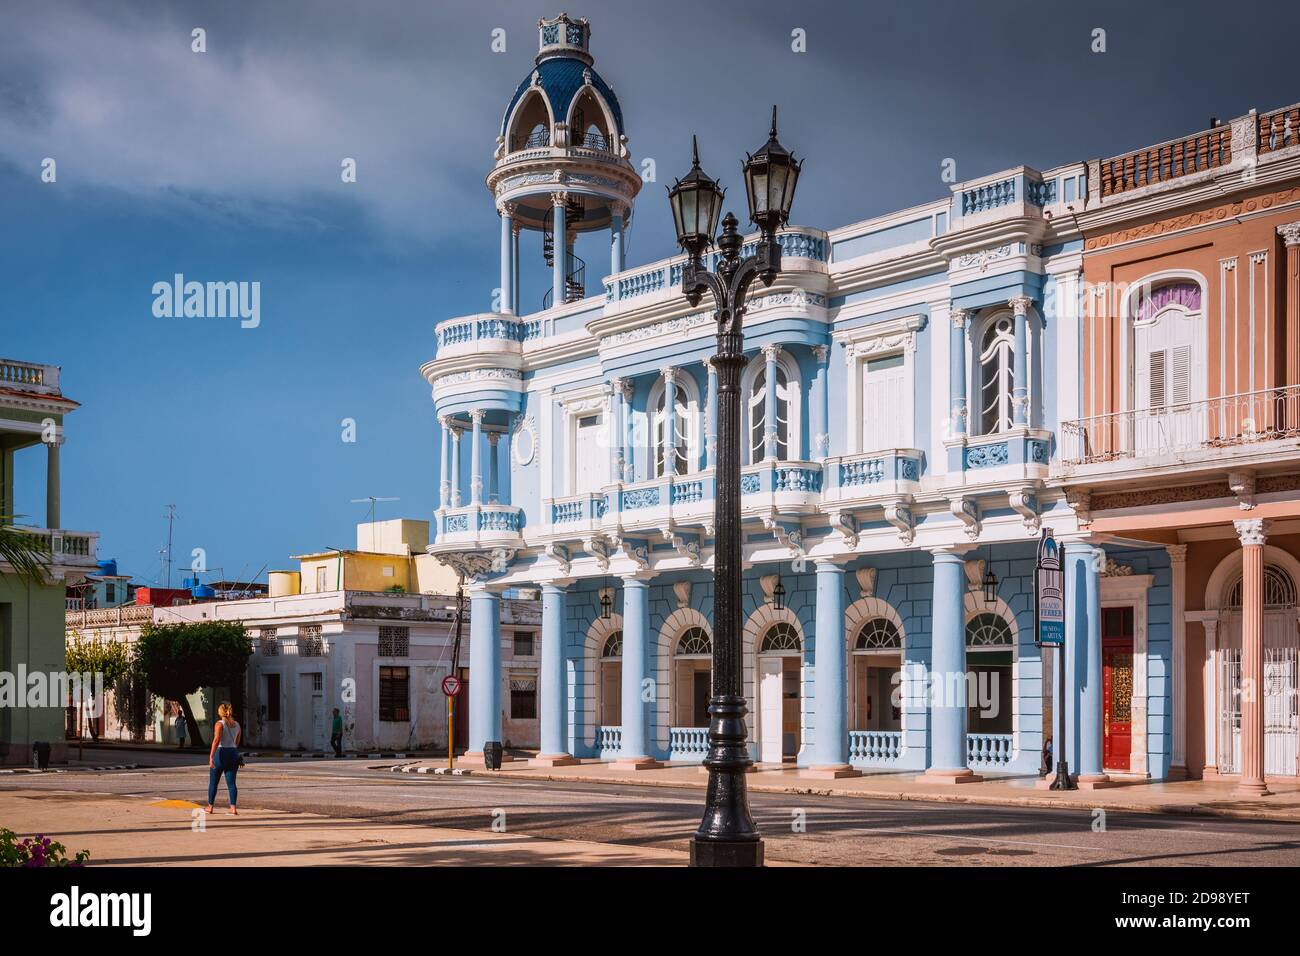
[561,82]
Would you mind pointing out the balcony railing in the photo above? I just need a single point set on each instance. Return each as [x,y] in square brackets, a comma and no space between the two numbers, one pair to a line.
[989,751]
[609,741]
[1165,161]
[29,377]
[1279,129]
[480,328]
[688,743]
[1244,419]
[110,616]
[65,547]
[875,748]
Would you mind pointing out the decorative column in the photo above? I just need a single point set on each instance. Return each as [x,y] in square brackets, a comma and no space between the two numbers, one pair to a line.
[53,509]
[616,240]
[820,446]
[670,421]
[634,753]
[1252,532]
[830,756]
[771,353]
[614,429]
[514,262]
[1178,659]
[456,433]
[444,463]
[629,465]
[494,463]
[1020,361]
[552,684]
[475,467]
[948,671]
[559,247]
[1290,234]
[957,370]
[484,670]
[507,211]
[711,416]
[1083,564]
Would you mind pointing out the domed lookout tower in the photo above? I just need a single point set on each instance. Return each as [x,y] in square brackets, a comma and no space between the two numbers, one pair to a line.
[562,164]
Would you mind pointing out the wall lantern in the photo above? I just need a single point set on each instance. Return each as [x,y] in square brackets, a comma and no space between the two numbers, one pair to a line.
[990,582]
[778,596]
[606,604]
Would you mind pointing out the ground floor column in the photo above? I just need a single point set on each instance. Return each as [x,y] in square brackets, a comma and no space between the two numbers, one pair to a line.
[948,671]
[638,692]
[1083,563]
[830,756]
[1252,533]
[554,699]
[484,670]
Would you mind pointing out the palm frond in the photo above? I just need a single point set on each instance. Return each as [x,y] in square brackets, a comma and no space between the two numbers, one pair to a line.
[26,553]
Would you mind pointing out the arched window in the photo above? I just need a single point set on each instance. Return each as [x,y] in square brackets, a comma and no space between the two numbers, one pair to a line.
[613,649]
[611,680]
[1167,363]
[679,460]
[694,643]
[878,633]
[781,636]
[988,630]
[754,388]
[588,126]
[997,374]
[532,123]
[1279,590]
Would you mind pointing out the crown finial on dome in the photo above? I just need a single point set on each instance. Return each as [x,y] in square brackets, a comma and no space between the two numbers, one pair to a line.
[564,36]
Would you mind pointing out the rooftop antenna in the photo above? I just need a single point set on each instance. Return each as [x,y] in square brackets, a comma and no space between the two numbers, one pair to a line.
[373,500]
[171,518]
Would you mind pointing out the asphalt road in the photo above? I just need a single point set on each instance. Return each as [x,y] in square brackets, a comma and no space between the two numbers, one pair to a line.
[797,828]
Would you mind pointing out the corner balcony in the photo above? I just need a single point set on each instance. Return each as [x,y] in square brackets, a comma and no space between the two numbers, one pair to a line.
[479,527]
[1235,431]
[29,377]
[484,333]
[66,549]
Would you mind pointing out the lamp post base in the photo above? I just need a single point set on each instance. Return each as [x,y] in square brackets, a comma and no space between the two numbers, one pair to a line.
[726,852]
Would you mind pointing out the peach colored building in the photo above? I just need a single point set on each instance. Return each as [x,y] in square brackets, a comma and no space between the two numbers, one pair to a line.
[1190,371]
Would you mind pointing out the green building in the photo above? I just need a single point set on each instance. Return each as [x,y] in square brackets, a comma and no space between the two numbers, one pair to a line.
[32,408]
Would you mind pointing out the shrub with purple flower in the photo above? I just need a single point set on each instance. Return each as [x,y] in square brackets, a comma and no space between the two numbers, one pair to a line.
[36,851]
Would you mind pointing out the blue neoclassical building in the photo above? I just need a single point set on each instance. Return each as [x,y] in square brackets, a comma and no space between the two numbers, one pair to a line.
[906,380]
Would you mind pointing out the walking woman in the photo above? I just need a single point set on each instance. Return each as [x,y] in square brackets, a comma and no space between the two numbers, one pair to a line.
[224,756]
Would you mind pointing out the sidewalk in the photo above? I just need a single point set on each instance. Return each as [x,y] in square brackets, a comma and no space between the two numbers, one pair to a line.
[147,831]
[1206,798]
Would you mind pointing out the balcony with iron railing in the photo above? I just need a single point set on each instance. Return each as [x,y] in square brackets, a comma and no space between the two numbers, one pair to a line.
[1235,429]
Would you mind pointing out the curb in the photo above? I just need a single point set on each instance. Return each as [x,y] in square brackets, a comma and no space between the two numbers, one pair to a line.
[1039,803]
[115,766]
[444,771]
[297,755]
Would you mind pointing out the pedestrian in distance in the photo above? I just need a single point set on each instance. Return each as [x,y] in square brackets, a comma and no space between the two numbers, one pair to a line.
[336,734]
[180,731]
[223,758]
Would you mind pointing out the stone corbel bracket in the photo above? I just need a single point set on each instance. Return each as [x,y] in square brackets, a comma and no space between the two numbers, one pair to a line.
[598,547]
[1024,502]
[686,543]
[847,527]
[900,515]
[1242,484]
[967,511]
[1080,502]
[478,565]
[789,534]
[636,550]
[559,553]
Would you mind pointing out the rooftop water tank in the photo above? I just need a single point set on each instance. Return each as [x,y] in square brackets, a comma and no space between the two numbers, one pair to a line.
[108,568]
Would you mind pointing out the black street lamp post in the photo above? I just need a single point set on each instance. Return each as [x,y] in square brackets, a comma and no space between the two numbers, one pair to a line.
[727,835]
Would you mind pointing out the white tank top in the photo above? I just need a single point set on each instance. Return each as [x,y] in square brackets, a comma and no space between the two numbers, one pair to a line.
[229,733]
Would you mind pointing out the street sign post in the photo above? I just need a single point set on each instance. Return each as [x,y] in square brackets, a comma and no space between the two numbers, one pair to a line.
[451,685]
[1049,631]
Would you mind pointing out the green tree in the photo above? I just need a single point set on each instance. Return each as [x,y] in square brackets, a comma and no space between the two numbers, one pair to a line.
[178,659]
[26,553]
[109,658]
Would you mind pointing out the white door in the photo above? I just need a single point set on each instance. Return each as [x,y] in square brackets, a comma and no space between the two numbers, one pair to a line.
[589,461]
[884,404]
[318,741]
[1168,378]
[770,709]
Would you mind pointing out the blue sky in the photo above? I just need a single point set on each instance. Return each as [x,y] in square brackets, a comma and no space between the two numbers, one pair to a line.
[225,166]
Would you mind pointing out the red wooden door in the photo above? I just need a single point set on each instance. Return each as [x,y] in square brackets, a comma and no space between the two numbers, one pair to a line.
[1117,687]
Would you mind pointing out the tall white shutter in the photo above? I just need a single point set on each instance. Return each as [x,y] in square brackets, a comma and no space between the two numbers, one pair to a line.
[884,404]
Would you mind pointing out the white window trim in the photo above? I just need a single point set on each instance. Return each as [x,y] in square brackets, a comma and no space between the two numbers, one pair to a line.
[694,418]
[1127,358]
[975,376]
[794,410]
[874,341]
[591,401]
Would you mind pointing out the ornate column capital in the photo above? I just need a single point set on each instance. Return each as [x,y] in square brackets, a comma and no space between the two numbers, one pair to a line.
[959,318]
[476,416]
[622,386]
[821,353]
[619,208]
[559,198]
[669,373]
[1290,233]
[1177,554]
[507,208]
[457,431]
[445,421]
[1020,304]
[1251,531]
[772,352]
[493,438]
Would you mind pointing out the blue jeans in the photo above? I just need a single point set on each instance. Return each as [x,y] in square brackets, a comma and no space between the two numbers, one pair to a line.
[227,762]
